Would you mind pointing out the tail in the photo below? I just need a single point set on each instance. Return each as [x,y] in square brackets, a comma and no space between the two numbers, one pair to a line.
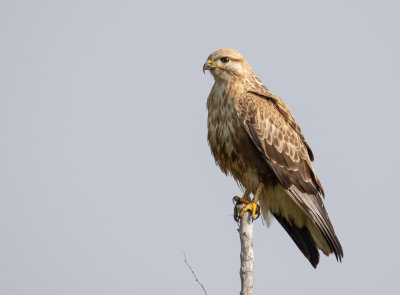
[304,218]
[313,207]
[302,238]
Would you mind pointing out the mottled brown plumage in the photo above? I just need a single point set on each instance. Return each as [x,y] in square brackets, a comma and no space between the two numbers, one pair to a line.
[254,137]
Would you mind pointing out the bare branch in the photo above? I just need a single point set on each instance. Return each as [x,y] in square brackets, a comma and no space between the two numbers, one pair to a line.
[246,253]
[201,285]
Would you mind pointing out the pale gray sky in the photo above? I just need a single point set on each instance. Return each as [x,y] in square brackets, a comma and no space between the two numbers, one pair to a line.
[106,175]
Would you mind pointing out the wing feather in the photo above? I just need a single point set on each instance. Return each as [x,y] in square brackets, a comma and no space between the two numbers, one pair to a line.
[281,142]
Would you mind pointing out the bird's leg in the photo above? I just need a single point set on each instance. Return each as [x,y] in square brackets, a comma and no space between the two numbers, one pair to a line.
[237,201]
[253,206]
[245,199]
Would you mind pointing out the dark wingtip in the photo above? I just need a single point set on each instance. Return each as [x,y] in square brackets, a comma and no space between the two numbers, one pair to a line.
[338,251]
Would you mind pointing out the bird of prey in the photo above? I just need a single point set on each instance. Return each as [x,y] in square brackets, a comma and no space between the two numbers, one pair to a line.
[254,137]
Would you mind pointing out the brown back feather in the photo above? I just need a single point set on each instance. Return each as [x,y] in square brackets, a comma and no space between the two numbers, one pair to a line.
[281,145]
[261,90]
[284,149]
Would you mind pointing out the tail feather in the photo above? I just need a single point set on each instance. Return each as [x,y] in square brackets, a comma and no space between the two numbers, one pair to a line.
[302,238]
[313,207]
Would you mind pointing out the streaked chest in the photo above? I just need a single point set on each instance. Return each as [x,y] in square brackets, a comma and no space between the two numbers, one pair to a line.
[226,134]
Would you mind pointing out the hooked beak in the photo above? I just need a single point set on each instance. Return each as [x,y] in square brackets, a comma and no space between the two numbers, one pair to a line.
[209,65]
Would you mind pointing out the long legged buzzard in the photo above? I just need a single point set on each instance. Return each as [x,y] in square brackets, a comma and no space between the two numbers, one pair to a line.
[254,137]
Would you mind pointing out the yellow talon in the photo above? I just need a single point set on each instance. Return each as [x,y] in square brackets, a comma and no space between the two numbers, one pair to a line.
[250,205]
[253,207]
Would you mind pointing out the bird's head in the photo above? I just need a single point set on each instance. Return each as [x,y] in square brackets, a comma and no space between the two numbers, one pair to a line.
[227,64]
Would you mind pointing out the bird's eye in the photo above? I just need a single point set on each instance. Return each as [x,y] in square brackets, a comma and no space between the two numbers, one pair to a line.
[225,59]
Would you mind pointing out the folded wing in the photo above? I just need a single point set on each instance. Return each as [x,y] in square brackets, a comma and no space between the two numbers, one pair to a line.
[272,128]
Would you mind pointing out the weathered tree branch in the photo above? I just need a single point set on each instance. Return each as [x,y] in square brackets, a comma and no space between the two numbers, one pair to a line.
[246,253]
[201,285]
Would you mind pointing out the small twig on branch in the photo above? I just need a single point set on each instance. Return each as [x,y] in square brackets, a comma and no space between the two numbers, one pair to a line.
[201,285]
[246,252]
